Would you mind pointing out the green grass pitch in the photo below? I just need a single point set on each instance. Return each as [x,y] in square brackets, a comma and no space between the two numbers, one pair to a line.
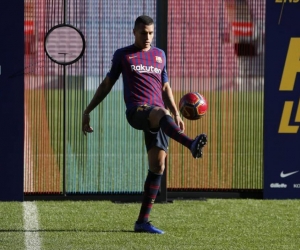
[215,224]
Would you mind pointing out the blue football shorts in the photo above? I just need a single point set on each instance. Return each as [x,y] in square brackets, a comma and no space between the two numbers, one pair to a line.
[137,117]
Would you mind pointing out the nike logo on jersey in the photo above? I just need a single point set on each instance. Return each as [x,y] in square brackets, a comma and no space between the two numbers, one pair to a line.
[283,175]
[130,57]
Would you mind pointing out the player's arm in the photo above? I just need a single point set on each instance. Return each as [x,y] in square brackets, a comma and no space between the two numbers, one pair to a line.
[102,91]
[168,99]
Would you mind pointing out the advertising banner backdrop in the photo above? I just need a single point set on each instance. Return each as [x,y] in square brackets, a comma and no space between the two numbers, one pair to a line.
[282,100]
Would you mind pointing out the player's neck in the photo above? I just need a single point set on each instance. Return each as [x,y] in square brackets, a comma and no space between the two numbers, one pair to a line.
[142,49]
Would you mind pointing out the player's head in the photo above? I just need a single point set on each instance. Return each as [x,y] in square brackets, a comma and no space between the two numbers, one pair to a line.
[143,32]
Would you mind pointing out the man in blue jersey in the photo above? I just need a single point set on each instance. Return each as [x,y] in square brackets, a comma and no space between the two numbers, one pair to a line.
[149,104]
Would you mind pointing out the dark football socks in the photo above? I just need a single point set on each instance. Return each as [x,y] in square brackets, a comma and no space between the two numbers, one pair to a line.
[151,188]
[170,128]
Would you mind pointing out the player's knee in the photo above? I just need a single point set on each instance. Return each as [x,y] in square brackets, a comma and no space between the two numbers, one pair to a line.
[157,158]
[161,112]
[155,116]
[158,169]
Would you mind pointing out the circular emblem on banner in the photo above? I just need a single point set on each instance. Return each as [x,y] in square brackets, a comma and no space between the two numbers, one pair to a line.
[64,44]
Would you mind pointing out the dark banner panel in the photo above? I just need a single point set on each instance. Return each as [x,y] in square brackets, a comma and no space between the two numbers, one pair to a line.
[11,99]
[282,101]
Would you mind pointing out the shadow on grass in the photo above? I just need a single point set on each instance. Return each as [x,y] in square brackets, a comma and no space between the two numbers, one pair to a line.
[65,230]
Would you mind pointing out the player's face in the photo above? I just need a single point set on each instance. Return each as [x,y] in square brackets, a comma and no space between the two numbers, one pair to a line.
[143,36]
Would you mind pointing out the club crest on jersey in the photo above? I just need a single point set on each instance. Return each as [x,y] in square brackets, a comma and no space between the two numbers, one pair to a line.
[158,59]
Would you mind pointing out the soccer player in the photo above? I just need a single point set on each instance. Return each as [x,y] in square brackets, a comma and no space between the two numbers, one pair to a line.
[149,101]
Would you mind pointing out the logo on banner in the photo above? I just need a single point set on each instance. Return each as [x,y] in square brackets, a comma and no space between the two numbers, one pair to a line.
[284,175]
[288,79]
[287,1]
[278,185]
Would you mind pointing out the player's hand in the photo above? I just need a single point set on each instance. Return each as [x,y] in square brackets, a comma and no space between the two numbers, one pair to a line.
[86,128]
[179,122]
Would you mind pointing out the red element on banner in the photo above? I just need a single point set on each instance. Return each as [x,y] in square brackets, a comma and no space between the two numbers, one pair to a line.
[28,27]
[242,28]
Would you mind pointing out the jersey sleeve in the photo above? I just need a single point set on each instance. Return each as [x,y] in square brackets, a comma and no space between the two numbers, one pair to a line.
[116,66]
[164,75]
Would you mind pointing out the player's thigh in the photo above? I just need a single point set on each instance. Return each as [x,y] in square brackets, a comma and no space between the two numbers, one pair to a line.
[157,144]
[155,115]
[137,117]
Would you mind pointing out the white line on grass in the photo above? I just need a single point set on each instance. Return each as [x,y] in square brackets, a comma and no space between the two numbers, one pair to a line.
[31,226]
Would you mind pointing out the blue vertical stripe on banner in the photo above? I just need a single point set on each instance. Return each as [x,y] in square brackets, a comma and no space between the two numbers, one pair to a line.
[11,100]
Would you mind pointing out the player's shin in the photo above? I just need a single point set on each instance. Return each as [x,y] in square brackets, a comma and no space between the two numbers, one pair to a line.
[151,188]
[170,128]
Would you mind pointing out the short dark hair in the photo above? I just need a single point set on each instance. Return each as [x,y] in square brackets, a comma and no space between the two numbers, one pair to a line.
[146,20]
